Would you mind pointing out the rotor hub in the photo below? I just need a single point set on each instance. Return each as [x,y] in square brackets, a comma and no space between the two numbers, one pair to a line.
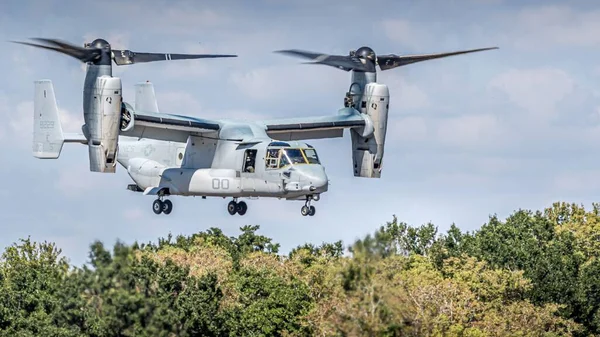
[100,44]
[105,55]
[366,53]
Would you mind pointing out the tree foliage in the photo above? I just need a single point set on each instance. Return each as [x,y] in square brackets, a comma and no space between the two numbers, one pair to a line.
[532,274]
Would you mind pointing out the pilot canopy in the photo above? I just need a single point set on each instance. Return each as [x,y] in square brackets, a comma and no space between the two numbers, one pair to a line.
[282,154]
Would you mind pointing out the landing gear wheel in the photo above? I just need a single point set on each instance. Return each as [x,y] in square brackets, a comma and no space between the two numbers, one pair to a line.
[241,208]
[305,210]
[232,207]
[167,207]
[157,206]
[312,210]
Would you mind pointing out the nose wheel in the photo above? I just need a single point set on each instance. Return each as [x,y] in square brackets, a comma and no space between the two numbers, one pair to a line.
[162,206]
[237,207]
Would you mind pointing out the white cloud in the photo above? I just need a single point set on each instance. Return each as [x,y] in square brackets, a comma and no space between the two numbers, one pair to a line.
[187,69]
[406,96]
[184,19]
[546,26]
[257,84]
[134,214]
[537,91]
[281,83]
[186,103]
[77,180]
[470,132]
[579,181]
[178,102]
[406,34]
[21,121]
[165,17]
[408,129]
[4,113]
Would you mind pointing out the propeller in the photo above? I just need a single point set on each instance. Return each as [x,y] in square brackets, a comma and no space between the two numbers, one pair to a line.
[365,60]
[99,52]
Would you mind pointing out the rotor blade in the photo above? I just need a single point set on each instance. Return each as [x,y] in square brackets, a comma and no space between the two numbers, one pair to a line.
[346,63]
[82,54]
[302,53]
[392,61]
[124,57]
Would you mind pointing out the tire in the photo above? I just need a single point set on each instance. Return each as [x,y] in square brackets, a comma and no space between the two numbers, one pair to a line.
[167,207]
[312,210]
[305,210]
[157,206]
[241,208]
[232,207]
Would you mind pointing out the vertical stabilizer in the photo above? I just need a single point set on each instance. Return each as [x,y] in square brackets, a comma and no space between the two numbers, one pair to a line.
[48,138]
[145,98]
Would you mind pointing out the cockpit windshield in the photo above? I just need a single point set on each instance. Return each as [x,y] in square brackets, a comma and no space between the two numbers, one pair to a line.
[295,156]
[281,157]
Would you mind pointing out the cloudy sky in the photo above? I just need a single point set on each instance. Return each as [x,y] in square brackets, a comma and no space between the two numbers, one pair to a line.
[468,136]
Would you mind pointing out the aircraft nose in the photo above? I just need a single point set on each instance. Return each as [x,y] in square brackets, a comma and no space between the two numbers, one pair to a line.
[314,178]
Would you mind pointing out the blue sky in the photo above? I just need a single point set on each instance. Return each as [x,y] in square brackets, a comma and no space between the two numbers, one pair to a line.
[468,136]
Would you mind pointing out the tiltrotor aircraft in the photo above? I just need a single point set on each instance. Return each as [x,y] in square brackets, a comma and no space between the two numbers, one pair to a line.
[167,154]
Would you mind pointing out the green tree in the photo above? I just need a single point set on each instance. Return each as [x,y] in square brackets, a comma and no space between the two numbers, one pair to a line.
[32,279]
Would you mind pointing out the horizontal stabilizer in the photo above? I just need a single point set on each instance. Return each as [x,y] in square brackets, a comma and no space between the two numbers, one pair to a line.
[75,138]
[145,98]
[48,138]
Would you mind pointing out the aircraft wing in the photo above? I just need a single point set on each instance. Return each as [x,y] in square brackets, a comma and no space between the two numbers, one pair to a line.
[168,127]
[317,127]
[175,122]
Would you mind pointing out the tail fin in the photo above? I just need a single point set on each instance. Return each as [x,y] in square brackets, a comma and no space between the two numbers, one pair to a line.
[48,137]
[145,98]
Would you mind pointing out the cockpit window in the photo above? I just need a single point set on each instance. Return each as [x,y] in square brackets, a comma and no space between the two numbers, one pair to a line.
[311,155]
[284,161]
[295,156]
[279,158]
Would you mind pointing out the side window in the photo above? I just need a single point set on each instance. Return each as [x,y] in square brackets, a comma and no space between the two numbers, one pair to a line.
[250,161]
[272,159]
[311,156]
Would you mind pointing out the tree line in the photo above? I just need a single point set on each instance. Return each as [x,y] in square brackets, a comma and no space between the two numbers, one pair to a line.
[535,273]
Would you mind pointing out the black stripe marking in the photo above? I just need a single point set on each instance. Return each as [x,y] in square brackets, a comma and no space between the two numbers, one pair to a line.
[177,122]
[311,126]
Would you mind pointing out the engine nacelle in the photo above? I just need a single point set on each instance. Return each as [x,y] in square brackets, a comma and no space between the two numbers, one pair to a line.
[367,152]
[104,124]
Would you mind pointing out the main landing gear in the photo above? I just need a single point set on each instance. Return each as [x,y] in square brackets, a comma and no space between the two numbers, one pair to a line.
[308,209]
[162,206]
[237,207]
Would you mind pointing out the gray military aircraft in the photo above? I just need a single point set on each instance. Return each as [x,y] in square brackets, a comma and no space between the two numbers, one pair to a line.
[168,154]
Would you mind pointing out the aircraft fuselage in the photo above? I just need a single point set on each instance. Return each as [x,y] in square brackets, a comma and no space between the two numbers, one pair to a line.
[211,167]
